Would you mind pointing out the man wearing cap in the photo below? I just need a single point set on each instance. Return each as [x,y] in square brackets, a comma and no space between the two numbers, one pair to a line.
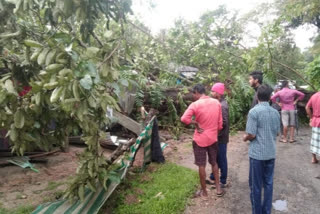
[217,92]
[208,121]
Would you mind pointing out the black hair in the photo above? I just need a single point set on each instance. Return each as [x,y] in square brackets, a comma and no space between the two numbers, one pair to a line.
[284,84]
[199,88]
[257,75]
[264,92]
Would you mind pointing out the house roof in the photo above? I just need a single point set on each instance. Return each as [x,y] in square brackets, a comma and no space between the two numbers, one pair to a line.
[186,69]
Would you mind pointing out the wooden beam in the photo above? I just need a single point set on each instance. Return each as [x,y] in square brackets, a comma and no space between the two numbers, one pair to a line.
[128,123]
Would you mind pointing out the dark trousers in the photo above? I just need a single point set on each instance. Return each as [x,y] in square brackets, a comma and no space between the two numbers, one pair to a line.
[261,176]
[222,163]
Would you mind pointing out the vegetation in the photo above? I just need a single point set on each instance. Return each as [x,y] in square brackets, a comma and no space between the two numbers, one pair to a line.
[20,210]
[79,57]
[162,189]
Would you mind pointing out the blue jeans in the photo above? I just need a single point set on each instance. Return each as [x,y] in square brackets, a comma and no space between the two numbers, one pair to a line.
[261,176]
[222,163]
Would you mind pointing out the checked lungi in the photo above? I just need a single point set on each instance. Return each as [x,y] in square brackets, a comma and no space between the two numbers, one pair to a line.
[315,141]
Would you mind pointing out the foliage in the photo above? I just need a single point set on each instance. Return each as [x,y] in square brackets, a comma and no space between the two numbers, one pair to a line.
[61,51]
[239,102]
[164,190]
[80,56]
[313,71]
[299,12]
[20,210]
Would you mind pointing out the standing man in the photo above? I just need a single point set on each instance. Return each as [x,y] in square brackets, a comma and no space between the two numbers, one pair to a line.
[277,107]
[263,125]
[217,92]
[288,99]
[314,115]
[208,122]
[255,80]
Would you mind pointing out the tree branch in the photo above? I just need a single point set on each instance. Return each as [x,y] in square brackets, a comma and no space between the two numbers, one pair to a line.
[297,73]
[96,38]
[110,55]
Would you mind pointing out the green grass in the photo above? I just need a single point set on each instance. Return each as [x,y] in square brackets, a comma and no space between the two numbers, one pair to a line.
[53,185]
[20,210]
[163,188]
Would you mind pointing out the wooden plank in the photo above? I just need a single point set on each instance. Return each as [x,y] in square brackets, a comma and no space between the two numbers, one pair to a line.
[128,123]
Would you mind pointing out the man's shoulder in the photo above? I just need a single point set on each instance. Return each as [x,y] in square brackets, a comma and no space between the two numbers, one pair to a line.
[315,96]
[208,100]
[260,108]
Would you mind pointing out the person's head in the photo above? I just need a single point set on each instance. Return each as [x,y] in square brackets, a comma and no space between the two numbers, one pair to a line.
[276,88]
[197,91]
[217,90]
[264,92]
[255,79]
[285,84]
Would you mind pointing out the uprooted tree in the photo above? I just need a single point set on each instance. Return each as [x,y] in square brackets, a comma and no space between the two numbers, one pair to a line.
[79,56]
[64,51]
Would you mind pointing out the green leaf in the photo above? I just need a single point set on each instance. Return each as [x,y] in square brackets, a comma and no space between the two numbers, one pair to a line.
[92,187]
[50,57]
[56,94]
[31,43]
[37,125]
[86,82]
[2,96]
[42,56]
[9,86]
[62,38]
[81,192]
[92,69]
[92,102]
[38,98]
[13,134]
[19,119]
[92,51]
[18,4]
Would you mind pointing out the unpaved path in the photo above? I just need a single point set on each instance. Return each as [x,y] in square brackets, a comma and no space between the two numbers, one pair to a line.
[20,187]
[296,180]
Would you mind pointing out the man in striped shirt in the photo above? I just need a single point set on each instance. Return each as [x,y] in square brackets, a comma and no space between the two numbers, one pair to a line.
[263,125]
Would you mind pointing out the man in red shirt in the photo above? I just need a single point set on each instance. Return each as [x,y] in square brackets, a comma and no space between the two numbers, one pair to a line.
[208,121]
[314,115]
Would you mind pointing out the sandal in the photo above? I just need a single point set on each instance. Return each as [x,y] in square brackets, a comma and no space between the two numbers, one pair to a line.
[291,141]
[221,185]
[221,193]
[283,141]
[224,185]
[314,161]
[209,182]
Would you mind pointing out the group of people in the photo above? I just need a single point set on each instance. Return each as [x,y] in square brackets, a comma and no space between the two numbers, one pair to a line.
[210,116]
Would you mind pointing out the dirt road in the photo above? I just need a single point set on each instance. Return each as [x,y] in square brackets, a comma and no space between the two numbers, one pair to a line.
[296,180]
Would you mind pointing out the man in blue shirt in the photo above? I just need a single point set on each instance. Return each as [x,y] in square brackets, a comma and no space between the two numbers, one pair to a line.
[263,125]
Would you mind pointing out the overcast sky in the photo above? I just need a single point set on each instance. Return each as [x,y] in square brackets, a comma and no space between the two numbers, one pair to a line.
[166,11]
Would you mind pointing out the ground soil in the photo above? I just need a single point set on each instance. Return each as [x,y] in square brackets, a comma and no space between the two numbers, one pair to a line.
[20,187]
[296,180]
